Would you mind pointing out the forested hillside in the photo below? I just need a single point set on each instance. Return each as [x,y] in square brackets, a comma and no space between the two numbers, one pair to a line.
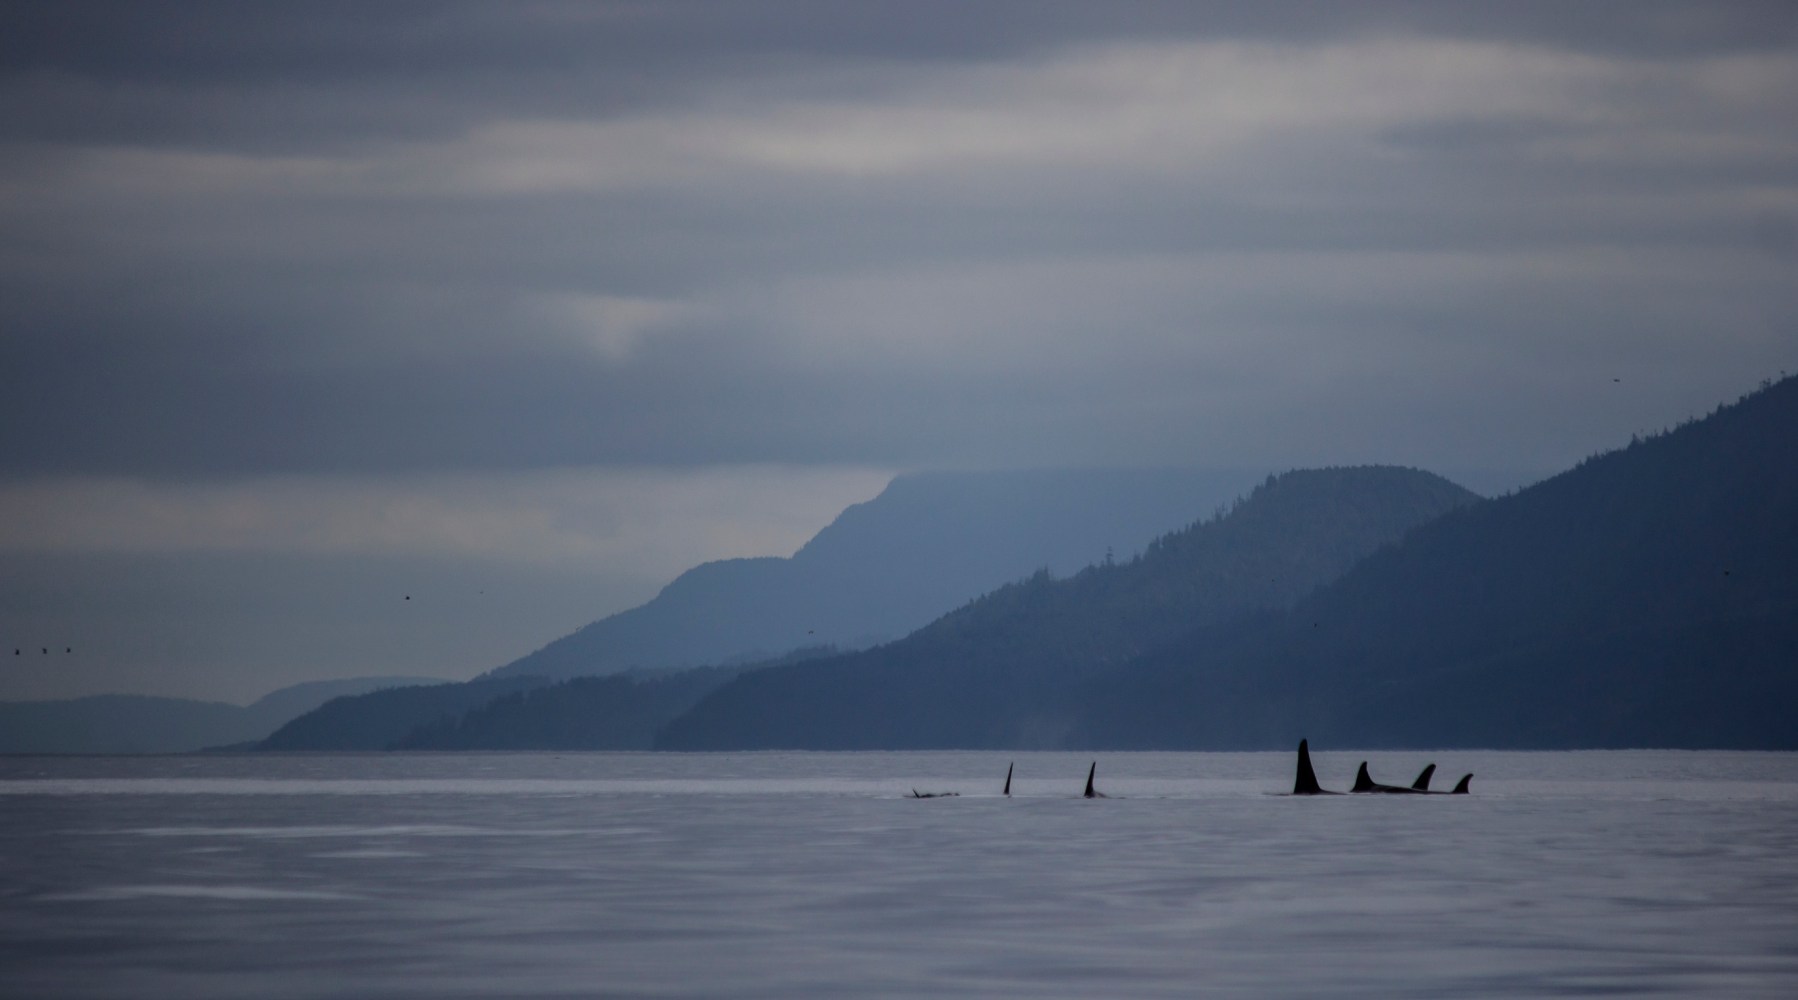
[615,712]
[928,543]
[380,719]
[883,568]
[1648,597]
[1000,671]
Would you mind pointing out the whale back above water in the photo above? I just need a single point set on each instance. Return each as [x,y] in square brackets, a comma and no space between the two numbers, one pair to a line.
[1365,783]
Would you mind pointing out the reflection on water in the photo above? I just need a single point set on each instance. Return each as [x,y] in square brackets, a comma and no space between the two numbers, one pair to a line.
[776,875]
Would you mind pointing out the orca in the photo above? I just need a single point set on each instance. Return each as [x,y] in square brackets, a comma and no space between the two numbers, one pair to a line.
[933,795]
[1008,768]
[1306,782]
[1090,793]
[1365,783]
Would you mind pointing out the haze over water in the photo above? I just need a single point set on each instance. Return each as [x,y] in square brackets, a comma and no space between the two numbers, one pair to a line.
[784,874]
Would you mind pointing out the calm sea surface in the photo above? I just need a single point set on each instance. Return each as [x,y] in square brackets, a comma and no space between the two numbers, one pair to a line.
[811,875]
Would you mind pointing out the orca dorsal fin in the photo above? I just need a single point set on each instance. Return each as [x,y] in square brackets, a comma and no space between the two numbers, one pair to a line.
[1008,768]
[1422,783]
[1363,782]
[1306,782]
[1461,786]
[1089,780]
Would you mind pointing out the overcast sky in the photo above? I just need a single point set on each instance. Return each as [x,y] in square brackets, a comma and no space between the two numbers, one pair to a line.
[303,305]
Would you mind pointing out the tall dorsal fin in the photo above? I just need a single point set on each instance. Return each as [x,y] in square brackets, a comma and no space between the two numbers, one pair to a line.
[1461,786]
[1306,782]
[1363,783]
[1008,768]
[1089,780]
[1422,783]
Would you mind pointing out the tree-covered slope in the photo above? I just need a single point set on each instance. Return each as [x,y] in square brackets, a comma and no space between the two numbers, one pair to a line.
[998,672]
[1648,597]
[615,712]
[380,719]
[928,543]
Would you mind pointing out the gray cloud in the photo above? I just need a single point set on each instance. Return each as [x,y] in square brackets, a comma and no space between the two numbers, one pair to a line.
[328,76]
[246,242]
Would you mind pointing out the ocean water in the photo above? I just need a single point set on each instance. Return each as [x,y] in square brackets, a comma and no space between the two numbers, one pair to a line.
[814,875]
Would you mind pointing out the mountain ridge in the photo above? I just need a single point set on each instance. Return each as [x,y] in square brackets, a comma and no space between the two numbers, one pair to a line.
[910,553]
[992,673]
[884,567]
[1613,572]
[130,723]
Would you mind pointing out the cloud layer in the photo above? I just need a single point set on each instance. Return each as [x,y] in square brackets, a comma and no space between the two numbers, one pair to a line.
[447,237]
[430,280]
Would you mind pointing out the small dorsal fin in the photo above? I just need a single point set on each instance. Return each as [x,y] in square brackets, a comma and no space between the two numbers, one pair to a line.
[1422,783]
[1363,782]
[1008,768]
[1089,780]
[1461,786]
[1306,782]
